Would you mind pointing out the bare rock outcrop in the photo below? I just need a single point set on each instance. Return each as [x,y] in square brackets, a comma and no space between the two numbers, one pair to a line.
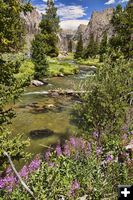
[32,20]
[98,24]
[80,31]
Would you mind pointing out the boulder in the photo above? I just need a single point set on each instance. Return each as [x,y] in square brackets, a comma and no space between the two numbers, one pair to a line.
[61,75]
[37,83]
[50,106]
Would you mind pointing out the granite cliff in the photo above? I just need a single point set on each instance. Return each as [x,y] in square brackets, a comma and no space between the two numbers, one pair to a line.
[32,20]
[98,24]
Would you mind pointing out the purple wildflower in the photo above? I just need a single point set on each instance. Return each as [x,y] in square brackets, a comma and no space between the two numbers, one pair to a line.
[98,151]
[34,165]
[2,183]
[24,172]
[130,132]
[47,155]
[9,188]
[124,136]
[75,186]
[67,150]
[125,128]
[9,182]
[58,150]
[9,170]
[73,142]
[95,134]
[88,148]
[109,158]
[82,144]
[51,164]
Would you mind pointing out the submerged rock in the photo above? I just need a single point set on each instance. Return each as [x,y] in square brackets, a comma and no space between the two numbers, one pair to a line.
[38,134]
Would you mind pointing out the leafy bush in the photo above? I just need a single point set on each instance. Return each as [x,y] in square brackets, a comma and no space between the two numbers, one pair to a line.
[26,71]
[104,105]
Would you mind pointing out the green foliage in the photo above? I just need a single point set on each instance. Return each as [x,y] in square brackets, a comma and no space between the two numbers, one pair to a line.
[50,28]
[38,56]
[104,106]
[103,46]
[92,48]
[70,46]
[13,145]
[10,89]
[26,72]
[90,62]
[57,68]
[79,48]
[68,57]
[11,25]
[81,170]
[123,23]
[11,40]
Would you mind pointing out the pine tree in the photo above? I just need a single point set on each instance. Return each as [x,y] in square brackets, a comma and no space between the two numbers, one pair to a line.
[123,23]
[70,46]
[104,106]
[92,48]
[96,47]
[11,25]
[79,48]
[50,27]
[11,40]
[39,56]
[103,46]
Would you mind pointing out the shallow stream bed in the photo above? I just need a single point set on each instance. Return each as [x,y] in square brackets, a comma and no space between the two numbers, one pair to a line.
[44,119]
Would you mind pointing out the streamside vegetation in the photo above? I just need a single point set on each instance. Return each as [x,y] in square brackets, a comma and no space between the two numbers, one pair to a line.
[11,41]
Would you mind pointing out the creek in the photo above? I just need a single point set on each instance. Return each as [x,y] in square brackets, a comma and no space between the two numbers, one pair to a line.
[46,119]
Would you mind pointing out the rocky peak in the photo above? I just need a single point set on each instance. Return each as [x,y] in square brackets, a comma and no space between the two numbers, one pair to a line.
[81,29]
[32,20]
[98,24]
[64,37]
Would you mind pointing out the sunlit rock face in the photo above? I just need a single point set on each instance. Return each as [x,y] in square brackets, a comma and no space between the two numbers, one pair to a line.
[80,31]
[64,37]
[32,20]
[98,24]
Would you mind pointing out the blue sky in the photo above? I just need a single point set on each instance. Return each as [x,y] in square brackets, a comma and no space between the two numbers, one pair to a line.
[75,12]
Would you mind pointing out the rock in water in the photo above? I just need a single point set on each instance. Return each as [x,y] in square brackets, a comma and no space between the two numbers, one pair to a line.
[37,83]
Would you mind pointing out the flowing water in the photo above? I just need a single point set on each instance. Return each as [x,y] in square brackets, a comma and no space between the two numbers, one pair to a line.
[44,119]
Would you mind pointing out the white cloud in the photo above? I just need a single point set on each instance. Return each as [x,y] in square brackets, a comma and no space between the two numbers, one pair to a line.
[65,12]
[124,1]
[110,2]
[70,12]
[72,24]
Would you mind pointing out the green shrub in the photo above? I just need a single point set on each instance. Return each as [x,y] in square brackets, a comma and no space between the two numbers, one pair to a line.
[26,72]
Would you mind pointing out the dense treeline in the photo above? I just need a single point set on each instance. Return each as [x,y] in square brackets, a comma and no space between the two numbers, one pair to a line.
[11,41]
